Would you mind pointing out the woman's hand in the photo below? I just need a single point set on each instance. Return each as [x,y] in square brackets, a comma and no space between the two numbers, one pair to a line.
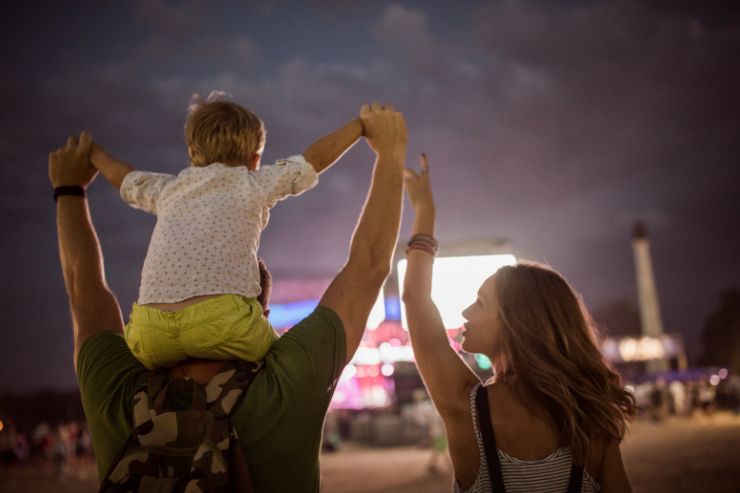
[418,187]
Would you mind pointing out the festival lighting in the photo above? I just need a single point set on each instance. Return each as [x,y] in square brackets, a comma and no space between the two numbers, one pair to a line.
[286,315]
[366,356]
[2,425]
[348,373]
[482,361]
[385,353]
[389,353]
[387,369]
[455,283]
[377,313]
[379,396]
[642,349]
[714,380]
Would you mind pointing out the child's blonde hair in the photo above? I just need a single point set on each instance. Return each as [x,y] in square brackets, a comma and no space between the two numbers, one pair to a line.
[218,131]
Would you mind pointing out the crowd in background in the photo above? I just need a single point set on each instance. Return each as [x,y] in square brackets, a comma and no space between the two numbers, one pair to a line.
[63,449]
[698,397]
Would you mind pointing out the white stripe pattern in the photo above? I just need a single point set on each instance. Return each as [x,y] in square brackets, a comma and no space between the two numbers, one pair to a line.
[548,475]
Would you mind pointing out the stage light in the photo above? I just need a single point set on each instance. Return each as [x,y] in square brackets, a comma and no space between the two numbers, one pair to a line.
[377,313]
[348,373]
[455,283]
[379,396]
[286,315]
[482,361]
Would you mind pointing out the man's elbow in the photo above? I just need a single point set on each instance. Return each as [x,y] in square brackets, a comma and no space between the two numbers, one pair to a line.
[378,272]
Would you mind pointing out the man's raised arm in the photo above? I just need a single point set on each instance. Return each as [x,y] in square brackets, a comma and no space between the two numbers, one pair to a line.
[353,292]
[94,307]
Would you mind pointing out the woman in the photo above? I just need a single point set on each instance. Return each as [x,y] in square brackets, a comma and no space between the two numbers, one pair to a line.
[552,417]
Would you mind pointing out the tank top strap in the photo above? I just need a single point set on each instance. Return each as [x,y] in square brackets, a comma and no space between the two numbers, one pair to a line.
[489,440]
[483,415]
[576,478]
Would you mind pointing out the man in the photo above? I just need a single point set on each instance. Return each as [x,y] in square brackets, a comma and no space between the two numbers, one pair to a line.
[279,421]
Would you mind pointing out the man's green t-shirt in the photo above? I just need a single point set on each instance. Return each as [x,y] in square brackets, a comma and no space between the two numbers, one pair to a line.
[279,422]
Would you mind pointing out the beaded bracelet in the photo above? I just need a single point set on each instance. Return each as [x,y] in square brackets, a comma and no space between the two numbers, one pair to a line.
[424,243]
[420,248]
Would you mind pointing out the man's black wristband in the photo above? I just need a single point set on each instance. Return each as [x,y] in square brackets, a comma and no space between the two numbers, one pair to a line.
[68,190]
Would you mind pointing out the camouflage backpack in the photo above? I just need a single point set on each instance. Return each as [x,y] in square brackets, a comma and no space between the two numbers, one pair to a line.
[183,441]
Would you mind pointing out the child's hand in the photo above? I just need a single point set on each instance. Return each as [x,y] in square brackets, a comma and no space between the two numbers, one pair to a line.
[96,152]
[417,186]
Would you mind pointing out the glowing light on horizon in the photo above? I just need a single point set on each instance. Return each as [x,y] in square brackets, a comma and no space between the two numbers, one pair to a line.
[455,283]
[642,349]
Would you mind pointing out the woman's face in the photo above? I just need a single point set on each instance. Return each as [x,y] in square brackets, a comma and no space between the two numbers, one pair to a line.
[483,324]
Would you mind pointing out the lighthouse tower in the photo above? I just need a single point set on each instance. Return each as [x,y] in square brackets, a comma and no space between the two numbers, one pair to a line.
[652,326]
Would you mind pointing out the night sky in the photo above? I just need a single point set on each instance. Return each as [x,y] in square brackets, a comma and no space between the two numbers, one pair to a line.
[553,124]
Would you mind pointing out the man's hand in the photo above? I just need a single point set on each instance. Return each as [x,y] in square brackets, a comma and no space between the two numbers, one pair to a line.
[70,165]
[385,129]
[418,187]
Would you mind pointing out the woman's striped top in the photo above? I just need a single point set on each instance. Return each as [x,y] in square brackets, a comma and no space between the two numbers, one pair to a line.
[548,475]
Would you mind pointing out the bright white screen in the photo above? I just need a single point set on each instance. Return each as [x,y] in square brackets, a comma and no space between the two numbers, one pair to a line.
[455,283]
[377,314]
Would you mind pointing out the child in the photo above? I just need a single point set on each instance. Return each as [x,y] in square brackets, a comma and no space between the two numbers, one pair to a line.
[200,278]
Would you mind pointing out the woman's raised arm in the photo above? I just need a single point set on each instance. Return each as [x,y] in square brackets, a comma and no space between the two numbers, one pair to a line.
[445,374]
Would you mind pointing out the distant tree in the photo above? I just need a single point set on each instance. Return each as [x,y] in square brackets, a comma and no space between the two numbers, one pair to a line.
[617,318]
[721,333]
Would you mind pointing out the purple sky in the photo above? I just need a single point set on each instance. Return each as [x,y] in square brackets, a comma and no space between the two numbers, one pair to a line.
[552,124]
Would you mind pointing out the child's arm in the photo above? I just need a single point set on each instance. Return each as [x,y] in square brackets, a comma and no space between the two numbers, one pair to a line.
[111,168]
[327,150]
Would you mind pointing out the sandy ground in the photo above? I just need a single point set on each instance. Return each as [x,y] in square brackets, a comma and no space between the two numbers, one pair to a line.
[675,456]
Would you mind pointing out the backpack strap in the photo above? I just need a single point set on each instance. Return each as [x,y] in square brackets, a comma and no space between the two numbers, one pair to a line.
[223,393]
[162,403]
[489,440]
[227,387]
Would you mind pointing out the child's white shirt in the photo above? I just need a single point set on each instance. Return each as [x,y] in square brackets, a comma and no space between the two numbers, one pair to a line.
[209,221]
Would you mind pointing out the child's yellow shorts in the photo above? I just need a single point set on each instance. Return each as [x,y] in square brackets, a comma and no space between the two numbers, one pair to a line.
[225,327]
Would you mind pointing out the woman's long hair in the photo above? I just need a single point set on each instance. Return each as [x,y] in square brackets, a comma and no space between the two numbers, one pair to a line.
[550,343]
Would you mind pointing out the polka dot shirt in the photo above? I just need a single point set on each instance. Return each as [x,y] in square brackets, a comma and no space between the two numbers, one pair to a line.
[209,221]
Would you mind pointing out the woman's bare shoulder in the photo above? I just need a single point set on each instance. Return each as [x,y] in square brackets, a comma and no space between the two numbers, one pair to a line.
[605,465]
